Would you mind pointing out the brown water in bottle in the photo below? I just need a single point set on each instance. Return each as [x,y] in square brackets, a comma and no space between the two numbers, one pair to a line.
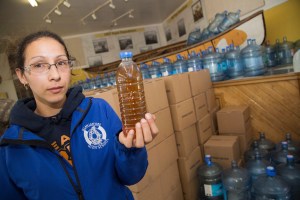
[130,88]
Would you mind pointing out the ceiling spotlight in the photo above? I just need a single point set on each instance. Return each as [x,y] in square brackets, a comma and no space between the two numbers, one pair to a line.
[33,3]
[57,11]
[67,4]
[125,0]
[112,5]
[48,20]
[94,16]
[115,23]
[130,16]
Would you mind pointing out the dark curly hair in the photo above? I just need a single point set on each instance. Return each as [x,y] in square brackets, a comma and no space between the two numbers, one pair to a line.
[20,57]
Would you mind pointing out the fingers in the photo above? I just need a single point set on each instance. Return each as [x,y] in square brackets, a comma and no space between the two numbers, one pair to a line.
[127,141]
[146,131]
[151,121]
[139,138]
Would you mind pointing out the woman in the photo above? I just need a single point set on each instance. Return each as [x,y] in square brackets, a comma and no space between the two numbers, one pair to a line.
[61,145]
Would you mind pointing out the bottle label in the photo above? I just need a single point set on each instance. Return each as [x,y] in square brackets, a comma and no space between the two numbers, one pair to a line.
[190,69]
[213,190]
[153,76]
[166,73]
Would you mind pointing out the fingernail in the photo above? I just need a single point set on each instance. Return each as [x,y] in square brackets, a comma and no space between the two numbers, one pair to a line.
[148,116]
[138,125]
[143,121]
[131,132]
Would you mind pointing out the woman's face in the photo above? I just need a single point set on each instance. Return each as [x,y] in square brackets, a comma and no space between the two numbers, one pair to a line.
[49,89]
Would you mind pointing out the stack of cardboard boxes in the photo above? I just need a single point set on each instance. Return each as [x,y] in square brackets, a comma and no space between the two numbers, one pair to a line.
[235,135]
[182,104]
[161,181]
[184,123]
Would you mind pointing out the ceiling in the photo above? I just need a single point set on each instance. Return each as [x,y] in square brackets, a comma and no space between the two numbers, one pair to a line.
[18,18]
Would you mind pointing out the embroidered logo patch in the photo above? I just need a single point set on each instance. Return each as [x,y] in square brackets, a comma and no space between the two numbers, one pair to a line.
[95,135]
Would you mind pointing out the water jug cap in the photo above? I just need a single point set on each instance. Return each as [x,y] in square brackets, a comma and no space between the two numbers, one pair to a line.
[125,54]
[262,135]
[271,171]
[208,160]
[179,57]
[167,60]
[288,136]
[289,157]
[284,144]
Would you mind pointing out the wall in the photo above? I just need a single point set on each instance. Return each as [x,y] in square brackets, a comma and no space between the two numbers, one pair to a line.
[283,20]
[7,84]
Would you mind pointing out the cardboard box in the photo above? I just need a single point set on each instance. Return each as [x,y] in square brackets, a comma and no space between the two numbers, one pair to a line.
[160,158]
[153,191]
[245,140]
[183,114]
[111,96]
[223,149]
[177,88]
[211,99]
[204,130]
[200,105]
[165,127]
[186,140]
[170,180]
[155,95]
[200,81]
[214,121]
[233,119]
[176,194]
[164,187]
[193,190]
[188,167]
[168,153]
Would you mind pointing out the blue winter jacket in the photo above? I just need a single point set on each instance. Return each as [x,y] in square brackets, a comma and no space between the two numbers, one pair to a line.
[31,169]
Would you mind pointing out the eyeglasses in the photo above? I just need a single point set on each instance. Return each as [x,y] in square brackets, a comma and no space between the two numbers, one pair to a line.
[43,68]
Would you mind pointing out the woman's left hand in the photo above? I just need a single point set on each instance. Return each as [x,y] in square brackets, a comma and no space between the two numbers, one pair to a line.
[145,131]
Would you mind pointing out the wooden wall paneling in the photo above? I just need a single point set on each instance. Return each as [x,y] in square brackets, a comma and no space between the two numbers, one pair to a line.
[274,105]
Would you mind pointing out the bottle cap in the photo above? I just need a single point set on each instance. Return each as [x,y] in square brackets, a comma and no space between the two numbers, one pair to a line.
[125,54]
[271,171]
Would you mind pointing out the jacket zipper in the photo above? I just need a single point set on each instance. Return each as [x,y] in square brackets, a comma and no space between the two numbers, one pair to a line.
[79,188]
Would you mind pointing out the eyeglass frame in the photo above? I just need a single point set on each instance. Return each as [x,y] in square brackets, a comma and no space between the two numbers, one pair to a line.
[69,63]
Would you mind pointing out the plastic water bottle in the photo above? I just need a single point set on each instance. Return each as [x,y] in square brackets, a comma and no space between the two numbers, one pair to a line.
[213,26]
[194,37]
[290,172]
[145,72]
[230,19]
[213,62]
[194,62]
[286,52]
[271,187]
[293,146]
[277,51]
[166,68]
[265,143]
[235,67]
[205,34]
[112,78]
[270,52]
[154,70]
[253,59]
[180,66]
[210,179]
[257,167]
[130,88]
[278,157]
[236,183]
[250,153]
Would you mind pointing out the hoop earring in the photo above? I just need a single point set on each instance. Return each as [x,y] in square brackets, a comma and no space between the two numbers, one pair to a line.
[25,85]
